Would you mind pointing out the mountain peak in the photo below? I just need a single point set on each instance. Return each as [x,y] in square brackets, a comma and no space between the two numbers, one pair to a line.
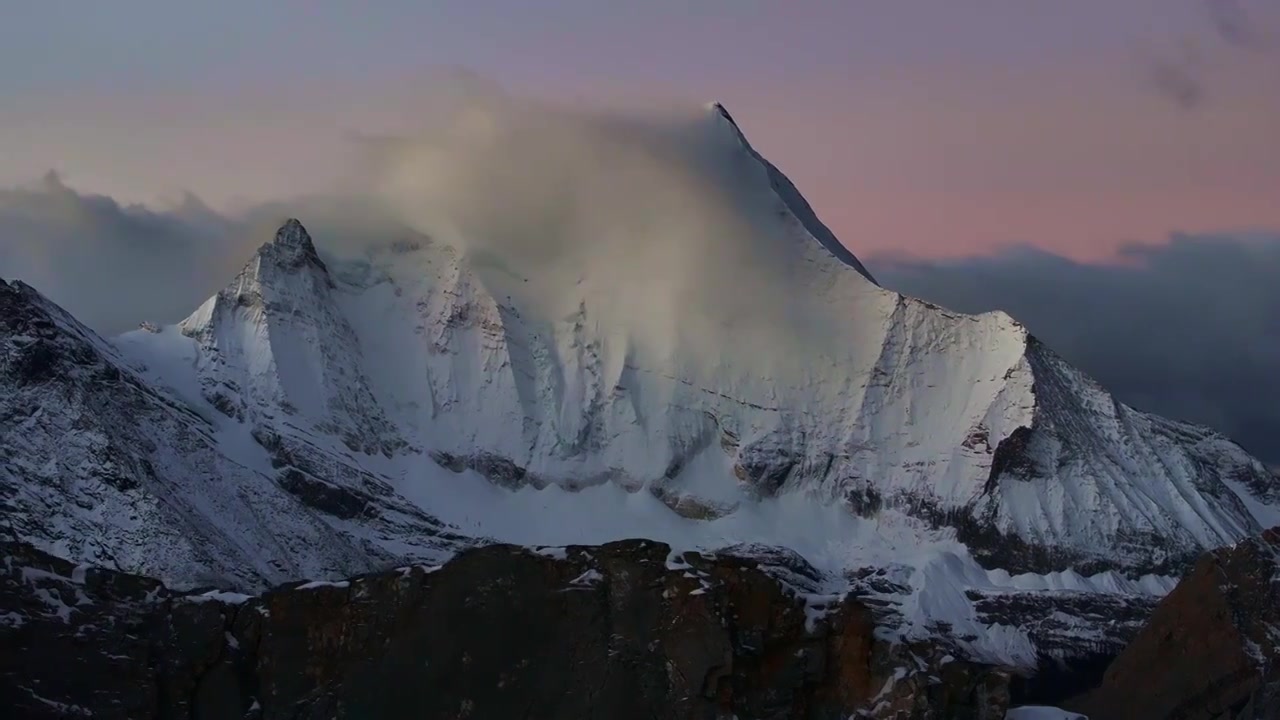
[719,115]
[718,108]
[790,195]
[287,265]
[294,234]
[292,246]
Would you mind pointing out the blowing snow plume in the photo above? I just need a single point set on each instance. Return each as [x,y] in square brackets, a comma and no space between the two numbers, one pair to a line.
[666,219]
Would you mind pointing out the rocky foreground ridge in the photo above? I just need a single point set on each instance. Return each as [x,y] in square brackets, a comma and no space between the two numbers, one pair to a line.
[1211,648]
[624,630]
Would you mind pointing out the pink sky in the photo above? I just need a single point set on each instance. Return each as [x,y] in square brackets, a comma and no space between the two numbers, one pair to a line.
[925,128]
[1070,160]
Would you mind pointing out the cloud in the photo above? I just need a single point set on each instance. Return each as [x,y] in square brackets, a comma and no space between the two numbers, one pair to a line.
[1184,75]
[113,265]
[663,209]
[1190,329]
[1232,24]
[1179,79]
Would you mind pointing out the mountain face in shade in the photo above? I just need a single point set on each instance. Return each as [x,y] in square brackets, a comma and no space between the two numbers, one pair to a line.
[318,418]
[1210,648]
[625,630]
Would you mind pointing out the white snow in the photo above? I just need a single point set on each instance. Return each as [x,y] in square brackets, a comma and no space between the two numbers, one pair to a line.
[817,606]
[1041,712]
[228,598]
[64,709]
[78,573]
[676,561]
[425,569]
[587,579]
[314,584]
[936,567]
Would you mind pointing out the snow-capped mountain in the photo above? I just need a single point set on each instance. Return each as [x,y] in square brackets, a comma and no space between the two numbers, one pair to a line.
[318,417]
[103,467]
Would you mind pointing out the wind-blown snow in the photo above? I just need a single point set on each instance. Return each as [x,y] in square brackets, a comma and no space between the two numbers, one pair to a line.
[629,307]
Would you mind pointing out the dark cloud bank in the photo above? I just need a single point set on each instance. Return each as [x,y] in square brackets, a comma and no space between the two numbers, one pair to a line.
[114,266]
[1188,329]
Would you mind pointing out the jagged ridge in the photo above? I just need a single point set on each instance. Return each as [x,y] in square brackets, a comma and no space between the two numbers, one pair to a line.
[104,467]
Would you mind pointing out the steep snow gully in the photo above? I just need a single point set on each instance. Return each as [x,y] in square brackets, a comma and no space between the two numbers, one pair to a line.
[712,369]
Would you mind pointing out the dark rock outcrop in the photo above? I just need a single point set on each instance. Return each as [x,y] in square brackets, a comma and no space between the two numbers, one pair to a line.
[625,630]
[1211,647]
[1077,634]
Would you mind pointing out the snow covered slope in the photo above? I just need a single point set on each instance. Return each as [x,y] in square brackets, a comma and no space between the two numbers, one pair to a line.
[734,379]
[102,466]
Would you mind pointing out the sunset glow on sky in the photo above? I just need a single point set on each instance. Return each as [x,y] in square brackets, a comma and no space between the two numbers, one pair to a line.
[920,127]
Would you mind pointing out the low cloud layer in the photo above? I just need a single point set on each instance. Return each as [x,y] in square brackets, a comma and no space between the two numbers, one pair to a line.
[114,265]
[1190,329]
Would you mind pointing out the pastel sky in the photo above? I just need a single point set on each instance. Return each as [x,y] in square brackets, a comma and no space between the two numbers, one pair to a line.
[928,127]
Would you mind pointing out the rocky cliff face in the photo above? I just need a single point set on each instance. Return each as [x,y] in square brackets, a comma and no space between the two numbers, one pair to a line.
[1211,647]
[625,630]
